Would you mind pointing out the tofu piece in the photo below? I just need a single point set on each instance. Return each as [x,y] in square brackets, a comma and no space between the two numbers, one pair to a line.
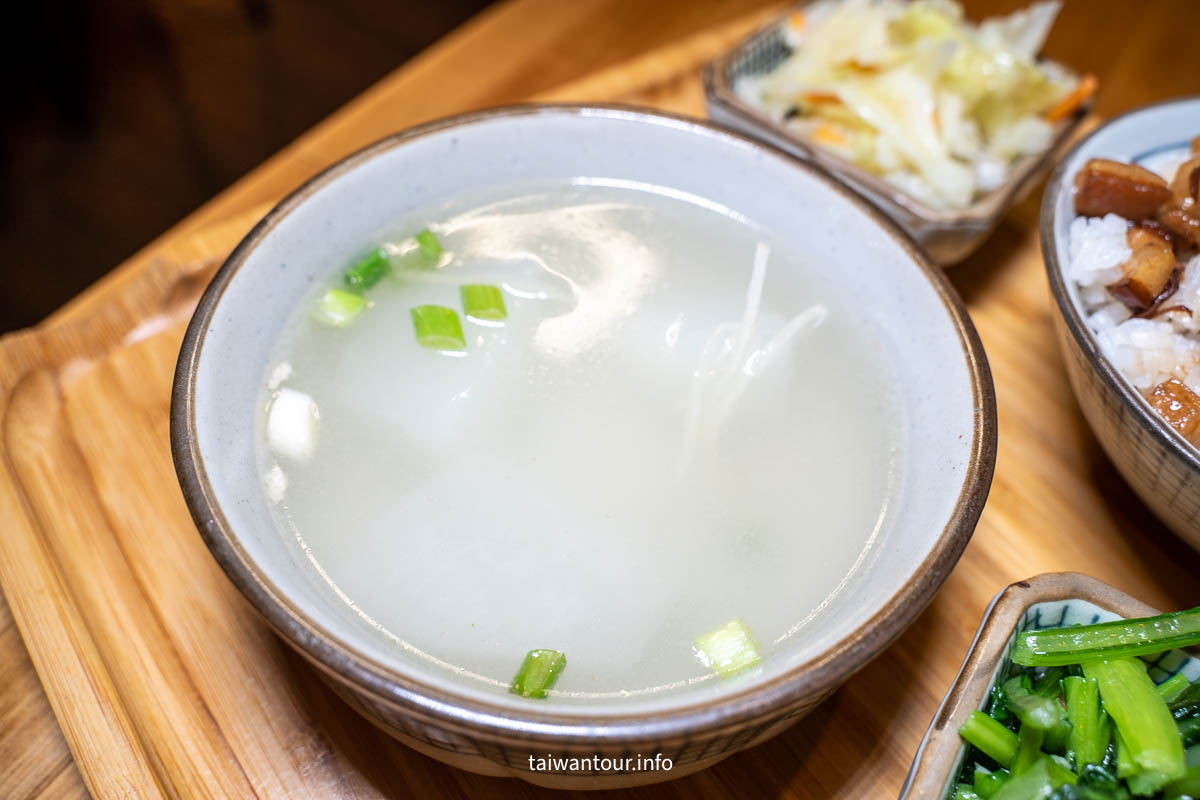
[292,425]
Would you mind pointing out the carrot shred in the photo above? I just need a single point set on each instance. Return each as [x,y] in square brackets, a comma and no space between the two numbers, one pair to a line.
[796,21]
[828,134]
[817,98]
[1073,99]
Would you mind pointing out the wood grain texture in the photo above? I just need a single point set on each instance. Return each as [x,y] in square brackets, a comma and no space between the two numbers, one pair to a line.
[165,684]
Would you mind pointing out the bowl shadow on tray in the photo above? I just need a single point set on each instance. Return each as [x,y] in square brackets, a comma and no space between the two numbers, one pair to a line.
[802,762]
[394,770]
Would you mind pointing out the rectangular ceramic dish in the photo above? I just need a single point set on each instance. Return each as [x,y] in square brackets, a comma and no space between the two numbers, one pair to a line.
[948,235]
[1052,600]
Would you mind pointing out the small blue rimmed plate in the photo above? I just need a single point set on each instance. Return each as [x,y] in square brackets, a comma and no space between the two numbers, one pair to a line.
[1053,600]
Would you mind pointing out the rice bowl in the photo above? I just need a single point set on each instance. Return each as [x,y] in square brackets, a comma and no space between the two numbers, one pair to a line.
[1113,358]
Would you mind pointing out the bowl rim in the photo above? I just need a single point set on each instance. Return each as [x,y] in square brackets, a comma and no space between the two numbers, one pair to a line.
[986,208]
[1085,339]
[941,748]
[331,655]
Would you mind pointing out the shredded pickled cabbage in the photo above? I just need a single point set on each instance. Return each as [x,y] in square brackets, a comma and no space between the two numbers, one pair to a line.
[938,106]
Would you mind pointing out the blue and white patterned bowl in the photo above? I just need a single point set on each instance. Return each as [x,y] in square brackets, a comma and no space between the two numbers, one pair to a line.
[1053,600]
[1155,459]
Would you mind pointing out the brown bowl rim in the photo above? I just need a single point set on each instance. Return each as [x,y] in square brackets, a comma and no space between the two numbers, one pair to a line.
[1140,408]
[812,678]
[940,749]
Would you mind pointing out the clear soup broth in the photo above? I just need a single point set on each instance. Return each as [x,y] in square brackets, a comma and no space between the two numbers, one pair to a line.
[678,423]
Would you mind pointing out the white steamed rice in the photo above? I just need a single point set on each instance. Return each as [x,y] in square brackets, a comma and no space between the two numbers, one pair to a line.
[1146,351]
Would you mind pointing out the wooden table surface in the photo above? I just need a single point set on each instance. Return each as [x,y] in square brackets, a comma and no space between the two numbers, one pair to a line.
[1141,52]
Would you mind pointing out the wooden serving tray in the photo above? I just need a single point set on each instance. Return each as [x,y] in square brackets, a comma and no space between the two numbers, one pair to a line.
[165,682]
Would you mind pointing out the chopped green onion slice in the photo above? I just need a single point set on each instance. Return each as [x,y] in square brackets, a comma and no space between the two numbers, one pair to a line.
[1142,718]
[369,270]
[538,672]
[729,649]
[429,245]
[993,739]
[1173,687]
[483,302]
[338,307]
[964,791]
[1118,639]
[438,328]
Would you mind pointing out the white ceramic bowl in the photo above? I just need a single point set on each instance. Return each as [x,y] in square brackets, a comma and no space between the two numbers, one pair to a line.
[946,395]
[1161,466]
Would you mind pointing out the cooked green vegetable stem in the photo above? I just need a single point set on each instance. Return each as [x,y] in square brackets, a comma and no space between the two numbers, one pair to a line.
[1029,748]
[1089,735]
[1173,687]
[1118,639]
[986,783]
[1142,718]
[991,738]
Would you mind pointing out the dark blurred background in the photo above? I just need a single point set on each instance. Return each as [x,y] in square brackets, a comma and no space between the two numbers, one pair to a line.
[121,116]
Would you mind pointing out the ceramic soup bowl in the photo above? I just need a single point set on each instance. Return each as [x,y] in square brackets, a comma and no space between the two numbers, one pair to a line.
[945,392]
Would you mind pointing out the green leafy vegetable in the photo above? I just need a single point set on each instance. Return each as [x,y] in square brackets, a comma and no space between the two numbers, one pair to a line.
[1142,718]
[987,783]
[1065,724]
[991,737]
[1089,735]
[1036,783]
